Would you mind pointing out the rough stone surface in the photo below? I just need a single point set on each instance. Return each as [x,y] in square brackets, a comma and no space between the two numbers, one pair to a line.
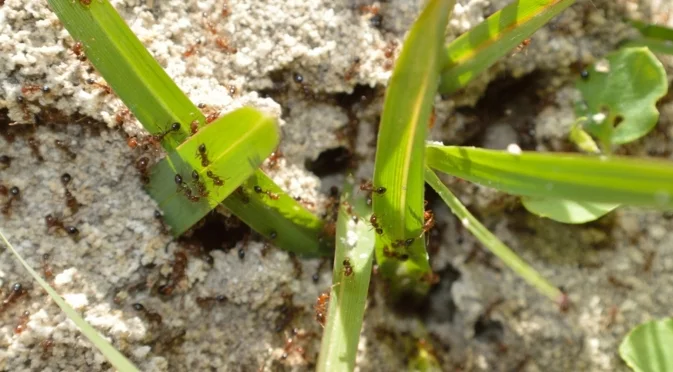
[296,60]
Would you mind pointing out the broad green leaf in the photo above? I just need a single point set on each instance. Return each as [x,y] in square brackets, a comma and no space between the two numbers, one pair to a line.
[478,49]
[602,179]
[348,295]
[647,348]
[109,352]
[567,211]
[620,95]
[284,221]
[399,152]
[128,67]
[492,243]
[250,137]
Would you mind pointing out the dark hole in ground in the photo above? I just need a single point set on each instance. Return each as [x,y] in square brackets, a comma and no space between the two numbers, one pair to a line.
[330,161]
[488,330]
[218,232]
[441,307]
[519,97]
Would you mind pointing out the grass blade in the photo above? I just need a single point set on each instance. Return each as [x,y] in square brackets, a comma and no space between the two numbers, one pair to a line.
[348,296]
[399,151]
[157,102]
[490,241]
[655,45]
[128,67]
[476,50]
[644,182]
[113,356]
[251,137]
[284,221]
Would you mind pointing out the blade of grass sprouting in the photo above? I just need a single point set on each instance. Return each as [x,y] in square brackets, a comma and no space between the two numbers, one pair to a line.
[602,179]
[399,152]
[348,297]
[655,45]
[476,50]
[113,356]
[284,221]
[250,137]
[125,64]
[490,241]
[157,102]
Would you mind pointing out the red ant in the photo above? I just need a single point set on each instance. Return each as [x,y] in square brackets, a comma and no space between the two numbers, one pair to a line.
[70,201]
[374,221]
[185,189]
[352,70]
[217,181]
[399,243]
[179,265]
[123,116]
[321,307]
[141,166]
[34,145]
[429,221]
[522,46]
[200,186]
[61,145]
[106,88]
[272,160]
[23,321]
[156,138]
[348,268]
[17,292]
[201,154]
[47,345]
[208,302]
[32,88]
[55,222]
[368,186]
[15,194]
[392,254]
[304,202]
[192,49]
[223,44]
[47,271]
[290,344]
[212,117]
[226,12]
[389,53]
[150,315]
[194,126]
[77,50]
[271,195]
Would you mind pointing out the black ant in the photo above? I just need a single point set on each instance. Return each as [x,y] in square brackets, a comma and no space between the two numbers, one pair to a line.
[14,194]
[201,154]
[65,148]
[368,186]
[55,222]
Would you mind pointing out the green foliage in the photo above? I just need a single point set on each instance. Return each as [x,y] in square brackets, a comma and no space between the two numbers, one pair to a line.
[647,348]
[604,179]
[348,295]
[109,352]
[229,160]
[490,241]
[620,95]
[157,102]
[128,68]
[567,211]
[478,49]
[400,148]
[657,38]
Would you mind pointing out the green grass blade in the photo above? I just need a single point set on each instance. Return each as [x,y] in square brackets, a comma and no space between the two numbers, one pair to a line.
[284,221]
[113,356]
[604,179]
[250,137]
[655,45]
[653,31]
[490,241]
[476,50]
[647,348]
[128,67]
[348,295]
[399,152]
[567,211]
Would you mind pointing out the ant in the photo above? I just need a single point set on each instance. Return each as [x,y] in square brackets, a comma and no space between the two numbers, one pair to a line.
[208,302]
[200,186]
[77,50]
[55,222]
[389,53]
[175,127]
[192,49]
[290,344]
[226,12]
[47,345]
[61,145]
[304,202]
[179,265]
[407,243]
[348,268]
[70,201]
[201,154]
[272,160]
[217,181]
[32,88]
[392,254]
[374,221]
[17,292]
[194,126]
[122,116]
[47,271]
[321,307]
[245,199]
[223,44]
[85,2]
[428,221]
[106,88]
[15,194]
[185,189]
[521,47]
[368,186]
[271,195]
[352,70]
[5,161]
[141,166]
[150,315]
[34,145]
[23,321]
[212,117]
